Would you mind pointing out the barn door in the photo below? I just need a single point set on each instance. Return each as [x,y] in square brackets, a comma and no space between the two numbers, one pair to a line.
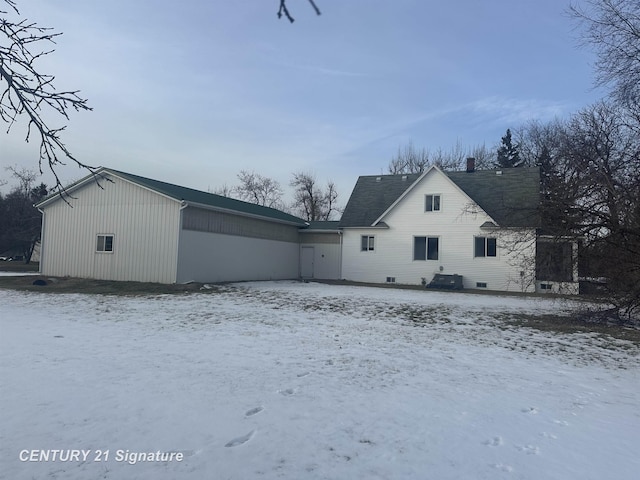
[306,262]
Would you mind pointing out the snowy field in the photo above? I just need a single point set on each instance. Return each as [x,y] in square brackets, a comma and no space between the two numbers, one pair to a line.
[309,381]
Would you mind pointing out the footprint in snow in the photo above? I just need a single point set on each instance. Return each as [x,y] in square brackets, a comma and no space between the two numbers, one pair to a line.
[253,411]
[241,440]
[530,410]
[494,442]
[303,374]
[503,467]
[528,449]
[288,392]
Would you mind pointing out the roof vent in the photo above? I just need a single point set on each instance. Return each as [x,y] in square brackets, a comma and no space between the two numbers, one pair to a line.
[498,172]
[378,179]
[404,178]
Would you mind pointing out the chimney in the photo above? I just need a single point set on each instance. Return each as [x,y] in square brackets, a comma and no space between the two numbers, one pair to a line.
[471,165]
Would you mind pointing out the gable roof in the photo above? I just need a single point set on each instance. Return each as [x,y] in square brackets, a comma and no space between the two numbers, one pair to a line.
[509,196]
[191,196]
[373,195]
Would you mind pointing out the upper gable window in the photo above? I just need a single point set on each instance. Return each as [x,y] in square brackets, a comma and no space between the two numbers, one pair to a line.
[367,243]
[432,203]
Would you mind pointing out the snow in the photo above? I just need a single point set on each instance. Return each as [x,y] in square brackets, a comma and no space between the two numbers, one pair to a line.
[17,274]
[303,380]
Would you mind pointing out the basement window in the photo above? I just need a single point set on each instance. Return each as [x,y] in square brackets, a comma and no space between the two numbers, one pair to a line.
[391,279]
[367,243]
[105,243]
[481,284]
[432,203]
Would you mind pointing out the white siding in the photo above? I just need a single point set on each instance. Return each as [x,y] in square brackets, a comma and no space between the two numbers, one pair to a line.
[456,225]
[145,226]
[326,254]
[215,257]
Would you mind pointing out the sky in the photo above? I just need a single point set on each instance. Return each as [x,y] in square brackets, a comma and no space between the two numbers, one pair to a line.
[193,92]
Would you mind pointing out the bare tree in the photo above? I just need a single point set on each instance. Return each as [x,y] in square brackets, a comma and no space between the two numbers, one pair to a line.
[409,159]
[26,91]
[590,190]
[255,188]
[311,202]
[612,29]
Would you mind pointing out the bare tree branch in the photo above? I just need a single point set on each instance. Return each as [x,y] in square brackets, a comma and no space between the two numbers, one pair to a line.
[29,92]
[284,11]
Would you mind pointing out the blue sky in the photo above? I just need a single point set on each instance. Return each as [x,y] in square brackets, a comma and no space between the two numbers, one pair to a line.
[192,92]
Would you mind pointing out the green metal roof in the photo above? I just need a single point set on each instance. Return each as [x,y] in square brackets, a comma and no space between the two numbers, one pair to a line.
[511,197]
[207,199]
[187,195]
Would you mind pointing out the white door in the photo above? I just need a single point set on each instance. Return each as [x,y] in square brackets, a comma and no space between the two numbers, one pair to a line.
[306,262]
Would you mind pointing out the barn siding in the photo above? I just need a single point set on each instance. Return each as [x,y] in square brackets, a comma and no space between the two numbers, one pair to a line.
[455,225]
[216,257]
[201,220]
[144,225]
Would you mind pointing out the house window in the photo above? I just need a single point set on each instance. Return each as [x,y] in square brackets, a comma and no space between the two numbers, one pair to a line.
[481,284]
[367,243]
[432,203]
[105,243]
[425,248]
[485,247]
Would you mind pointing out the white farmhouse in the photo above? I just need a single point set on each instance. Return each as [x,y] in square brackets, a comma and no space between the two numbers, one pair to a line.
[479,225]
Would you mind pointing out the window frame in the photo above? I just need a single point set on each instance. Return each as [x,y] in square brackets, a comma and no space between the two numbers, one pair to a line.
[101,246]
[489,246]
[430,202]
[428,252]
[370,243]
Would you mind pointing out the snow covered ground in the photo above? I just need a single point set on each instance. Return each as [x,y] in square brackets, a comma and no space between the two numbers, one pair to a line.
[310,381]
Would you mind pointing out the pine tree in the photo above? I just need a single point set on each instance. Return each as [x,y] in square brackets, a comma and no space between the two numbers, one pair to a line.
[508,153]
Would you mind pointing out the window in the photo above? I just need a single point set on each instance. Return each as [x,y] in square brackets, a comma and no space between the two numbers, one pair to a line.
[105,243]
[391,279]
[481,284]
[425,248]
[485,247]
[432,203]
[367,243]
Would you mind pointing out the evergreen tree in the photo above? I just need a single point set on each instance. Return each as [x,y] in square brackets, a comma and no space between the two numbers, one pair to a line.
[508,153]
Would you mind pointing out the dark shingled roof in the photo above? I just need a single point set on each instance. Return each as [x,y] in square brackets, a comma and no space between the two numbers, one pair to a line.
[190,195]
[371,196]
[510,198]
